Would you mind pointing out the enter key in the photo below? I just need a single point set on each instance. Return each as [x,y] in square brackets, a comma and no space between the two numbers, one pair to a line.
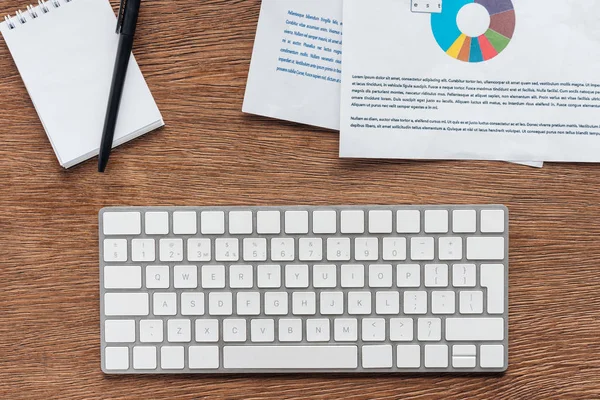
[492,278]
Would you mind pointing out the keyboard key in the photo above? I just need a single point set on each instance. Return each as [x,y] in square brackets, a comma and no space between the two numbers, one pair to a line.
[185,223]
[436,275]
[227,250]
[415,302]
[408,221]
[317,330]
[240,222]
[443,302]
[421,248]
[276,303]
[492,278]
[380,276]
[255,249]
[179,330]
[464,350]
[296,222]
[429,329]
[366,249]
[185,276]
[463,275]
[464,361]
[157,277]
[122,223]
[436,221]
[373,330]
[142,250]
[492,221]
[212,222]
[324,276]
[241,276]
[471,302]
[171,357]
[115,250]
[125,277]
[290,357]
[116,358]
[485,248]
[151,331]
[171,250]
[157,223]
[198,250]
[436,356]
[303,303]
[380,221]
[268,222]
[387,303]
[207,330]
[311,249]
[408,356]
[324,222]
[213,276]
[203,357]
[248,303]
[296,276]
[119,331]
[401,329]
[352,221]
[359,303]
[353,276]
[377,356]
[492,356]
[220,303]
[290,330]
[464,221]
[144,357]
[332,303]
[450,248]
[408,275]
[345,330]
[126,304]
[282,249]
[192,303]
[164,304]
[234,330]
[474,329]
[269,276]
[338,249]
[394,249]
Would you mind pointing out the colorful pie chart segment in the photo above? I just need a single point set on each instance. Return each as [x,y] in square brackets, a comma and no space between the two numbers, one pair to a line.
[474,49]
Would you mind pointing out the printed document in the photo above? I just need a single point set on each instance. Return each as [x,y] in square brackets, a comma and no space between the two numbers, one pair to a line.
[296,64]
[472,79]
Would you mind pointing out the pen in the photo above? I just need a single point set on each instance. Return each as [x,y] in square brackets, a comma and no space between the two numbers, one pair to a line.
[126,23]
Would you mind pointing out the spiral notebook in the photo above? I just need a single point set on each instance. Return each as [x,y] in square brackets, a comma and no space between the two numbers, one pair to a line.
[65,52]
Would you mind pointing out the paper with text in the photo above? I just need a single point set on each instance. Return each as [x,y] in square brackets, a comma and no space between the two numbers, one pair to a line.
[296,65]
[484,79]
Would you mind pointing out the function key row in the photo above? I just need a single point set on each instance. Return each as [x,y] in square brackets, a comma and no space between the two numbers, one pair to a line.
[275,222]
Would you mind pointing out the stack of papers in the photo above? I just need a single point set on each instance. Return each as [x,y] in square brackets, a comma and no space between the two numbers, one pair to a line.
[434,79]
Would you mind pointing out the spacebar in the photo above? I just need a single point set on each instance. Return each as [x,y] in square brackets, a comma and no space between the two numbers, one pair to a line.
[291,357]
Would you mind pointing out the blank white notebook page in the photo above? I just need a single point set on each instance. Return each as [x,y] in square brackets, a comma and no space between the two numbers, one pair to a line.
[66,58]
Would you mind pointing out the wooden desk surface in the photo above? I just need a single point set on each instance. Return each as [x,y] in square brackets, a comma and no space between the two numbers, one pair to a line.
[195,57]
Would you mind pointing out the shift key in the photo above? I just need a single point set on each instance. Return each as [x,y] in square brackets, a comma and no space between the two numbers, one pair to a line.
[474,329]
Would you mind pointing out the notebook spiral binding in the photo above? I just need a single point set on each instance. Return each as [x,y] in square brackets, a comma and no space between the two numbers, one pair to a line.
[32,12]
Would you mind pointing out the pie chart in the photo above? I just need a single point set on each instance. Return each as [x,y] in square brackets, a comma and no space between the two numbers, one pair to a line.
[481,46]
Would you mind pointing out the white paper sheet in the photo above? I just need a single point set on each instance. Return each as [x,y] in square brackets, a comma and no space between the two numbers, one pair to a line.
[406,93]
[296,63]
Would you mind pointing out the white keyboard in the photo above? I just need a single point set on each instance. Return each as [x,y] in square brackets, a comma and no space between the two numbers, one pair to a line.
[304,289]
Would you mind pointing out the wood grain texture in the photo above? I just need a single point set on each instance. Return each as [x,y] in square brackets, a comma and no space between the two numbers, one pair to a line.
[195,56]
